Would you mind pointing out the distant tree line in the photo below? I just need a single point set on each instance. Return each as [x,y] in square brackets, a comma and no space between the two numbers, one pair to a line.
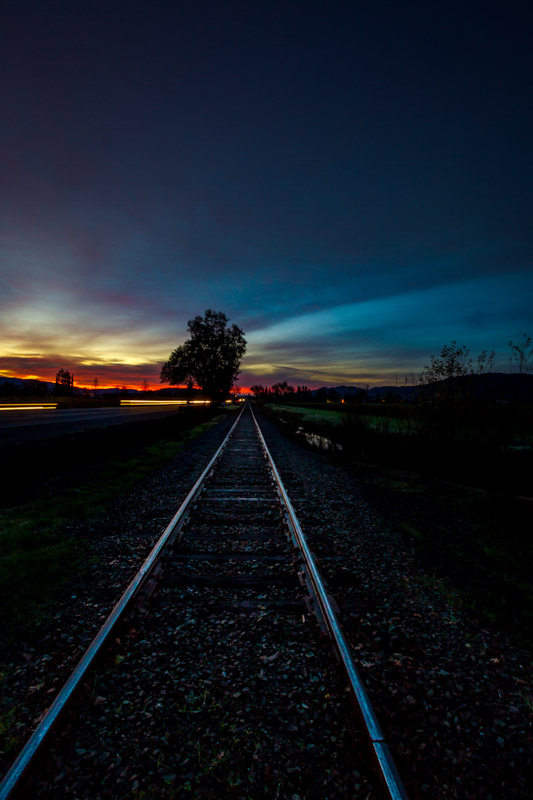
[281,391]
[287,393]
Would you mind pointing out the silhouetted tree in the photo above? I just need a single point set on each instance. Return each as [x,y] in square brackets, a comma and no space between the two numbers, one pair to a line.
[210,358]
[454,363]
[521,352]
[283,390]
[64,382]
[448,410]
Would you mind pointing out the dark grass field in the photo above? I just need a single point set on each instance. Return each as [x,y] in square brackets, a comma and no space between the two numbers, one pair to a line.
[464,510]
[63,480]
[475,545]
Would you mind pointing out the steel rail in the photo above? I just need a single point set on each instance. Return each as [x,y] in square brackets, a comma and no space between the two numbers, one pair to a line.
[387,770]
[20,766]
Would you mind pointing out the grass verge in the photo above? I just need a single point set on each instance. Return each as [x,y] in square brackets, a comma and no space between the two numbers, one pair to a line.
[35,547]
[372,419]
[473,545]
[470,544]
[306,414]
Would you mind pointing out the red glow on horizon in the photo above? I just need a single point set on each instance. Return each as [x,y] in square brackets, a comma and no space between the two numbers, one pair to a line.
[119,384]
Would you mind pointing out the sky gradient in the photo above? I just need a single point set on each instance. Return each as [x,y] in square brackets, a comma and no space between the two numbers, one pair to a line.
[349,182]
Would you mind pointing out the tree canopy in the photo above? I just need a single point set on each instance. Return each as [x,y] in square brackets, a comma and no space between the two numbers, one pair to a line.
[64,382]
[451,369]
[521,353]
[210,358]
[454,362]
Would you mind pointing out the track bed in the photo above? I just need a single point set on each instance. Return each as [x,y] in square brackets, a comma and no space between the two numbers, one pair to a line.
[223,684]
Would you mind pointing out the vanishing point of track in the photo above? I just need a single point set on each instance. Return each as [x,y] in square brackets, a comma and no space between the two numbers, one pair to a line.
[241,495]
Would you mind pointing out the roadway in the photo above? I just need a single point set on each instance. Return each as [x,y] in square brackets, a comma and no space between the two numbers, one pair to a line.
[31,425]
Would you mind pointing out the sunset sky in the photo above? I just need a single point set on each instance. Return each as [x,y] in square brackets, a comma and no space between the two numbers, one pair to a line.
[350,182]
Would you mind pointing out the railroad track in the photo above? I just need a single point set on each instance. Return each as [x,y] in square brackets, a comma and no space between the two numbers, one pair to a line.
[210,677]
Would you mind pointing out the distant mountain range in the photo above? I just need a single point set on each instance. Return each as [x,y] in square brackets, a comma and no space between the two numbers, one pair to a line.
[27,383]
[501,386]
[20,383]
[377,391]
